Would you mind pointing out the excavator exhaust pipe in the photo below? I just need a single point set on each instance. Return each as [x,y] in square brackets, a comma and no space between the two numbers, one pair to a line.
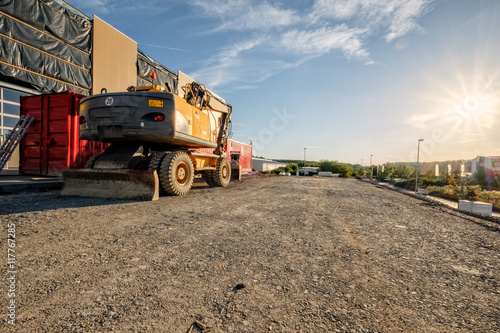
[124,184]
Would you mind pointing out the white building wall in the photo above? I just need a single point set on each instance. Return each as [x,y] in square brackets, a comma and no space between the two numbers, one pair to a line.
[265,165]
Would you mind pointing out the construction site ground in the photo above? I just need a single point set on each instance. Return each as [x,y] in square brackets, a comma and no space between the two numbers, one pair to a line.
[268,254]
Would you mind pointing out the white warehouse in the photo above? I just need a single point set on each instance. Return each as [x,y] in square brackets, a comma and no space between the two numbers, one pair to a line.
[263,165]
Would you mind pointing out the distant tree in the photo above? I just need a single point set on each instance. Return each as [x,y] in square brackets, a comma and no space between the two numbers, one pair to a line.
[447,178]
[388,171]
[361,171]
[480,177]
[428,174]
[403,171]
[293,166]
[282,169]
[312,164]
[496,183]
[331,166]
[345,170]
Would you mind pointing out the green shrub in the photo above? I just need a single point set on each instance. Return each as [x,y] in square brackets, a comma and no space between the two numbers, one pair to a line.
[437,191]
[470,192]
[435,181]
[408,184]
[451,192]
[492,197]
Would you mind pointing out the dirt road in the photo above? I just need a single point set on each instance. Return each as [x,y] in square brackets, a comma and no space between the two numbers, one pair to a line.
[278,254]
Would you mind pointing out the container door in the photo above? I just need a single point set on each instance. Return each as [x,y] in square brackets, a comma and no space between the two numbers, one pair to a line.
[56,134]
[31,144]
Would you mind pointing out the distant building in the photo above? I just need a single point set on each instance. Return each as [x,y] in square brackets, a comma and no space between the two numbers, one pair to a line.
[50,47]
[488,163]
[307,170]
[263,165]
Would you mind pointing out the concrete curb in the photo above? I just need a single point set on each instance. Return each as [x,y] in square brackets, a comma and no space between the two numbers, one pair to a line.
[434,202]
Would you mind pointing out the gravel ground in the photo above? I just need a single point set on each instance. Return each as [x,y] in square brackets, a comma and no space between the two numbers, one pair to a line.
[279,254]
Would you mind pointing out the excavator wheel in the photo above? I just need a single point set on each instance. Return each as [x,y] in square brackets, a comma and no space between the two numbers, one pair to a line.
[222,175]
[155,164]
[208,175]
[90,163]
[176,173]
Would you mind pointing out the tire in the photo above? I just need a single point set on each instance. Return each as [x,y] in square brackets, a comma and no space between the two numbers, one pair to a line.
[155,164]
[90,163]
[209,178]
[222,175]
[176,173]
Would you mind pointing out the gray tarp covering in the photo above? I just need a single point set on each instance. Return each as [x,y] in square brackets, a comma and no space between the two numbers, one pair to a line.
[146,65]
[45,42]
[25,57]
[45,46]
[35,81]
[49,16]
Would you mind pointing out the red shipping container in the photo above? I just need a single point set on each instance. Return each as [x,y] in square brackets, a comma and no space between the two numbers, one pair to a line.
[236,152]
[51,144]
[243,151]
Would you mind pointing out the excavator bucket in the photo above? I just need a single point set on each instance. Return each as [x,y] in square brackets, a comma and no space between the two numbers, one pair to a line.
[112,183]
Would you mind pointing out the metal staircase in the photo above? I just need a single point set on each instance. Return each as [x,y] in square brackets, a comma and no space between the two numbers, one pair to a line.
[14,139]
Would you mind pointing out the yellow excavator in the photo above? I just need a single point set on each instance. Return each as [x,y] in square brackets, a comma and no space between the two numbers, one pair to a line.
[154,136]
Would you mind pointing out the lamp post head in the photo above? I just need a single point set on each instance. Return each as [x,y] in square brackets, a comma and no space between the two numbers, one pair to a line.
[420,140]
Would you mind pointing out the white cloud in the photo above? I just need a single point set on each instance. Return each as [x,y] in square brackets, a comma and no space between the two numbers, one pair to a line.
[403,18]
[232,64]
[323,40]
[292,35]
[227,55]
[395,17]
[248,15]
[421,120]
[105,7]
[337,9]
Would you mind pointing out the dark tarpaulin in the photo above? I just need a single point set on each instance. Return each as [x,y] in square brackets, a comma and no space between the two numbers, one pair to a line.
[31,80]
[47,43]
[19,55]
[146,65]
[50,51]
[49,16]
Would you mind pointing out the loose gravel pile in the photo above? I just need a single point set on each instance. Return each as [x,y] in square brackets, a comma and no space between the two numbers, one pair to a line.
[272,254]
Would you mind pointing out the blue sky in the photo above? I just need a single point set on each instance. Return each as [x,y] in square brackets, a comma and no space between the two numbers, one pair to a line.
[345,78]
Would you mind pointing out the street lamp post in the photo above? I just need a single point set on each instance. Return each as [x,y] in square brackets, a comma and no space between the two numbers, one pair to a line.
[416,173]
[371,166]
[305,157]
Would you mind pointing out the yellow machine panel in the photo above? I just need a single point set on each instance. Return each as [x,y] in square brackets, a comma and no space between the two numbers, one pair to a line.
[198,122]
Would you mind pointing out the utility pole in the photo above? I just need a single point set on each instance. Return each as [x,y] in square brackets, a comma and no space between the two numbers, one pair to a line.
[305,158]
[371,166]
[416,174]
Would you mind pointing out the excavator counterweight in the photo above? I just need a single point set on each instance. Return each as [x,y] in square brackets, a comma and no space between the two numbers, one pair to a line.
[154,135]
